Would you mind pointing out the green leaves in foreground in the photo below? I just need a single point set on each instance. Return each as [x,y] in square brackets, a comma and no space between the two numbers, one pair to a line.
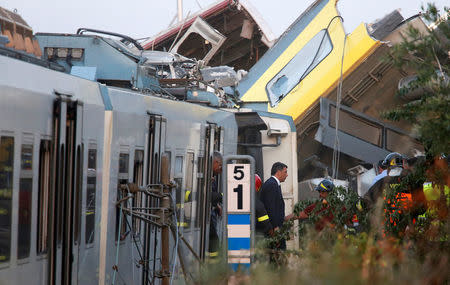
[427,56]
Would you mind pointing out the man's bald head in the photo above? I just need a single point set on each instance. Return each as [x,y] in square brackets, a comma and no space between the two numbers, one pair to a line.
[217,163]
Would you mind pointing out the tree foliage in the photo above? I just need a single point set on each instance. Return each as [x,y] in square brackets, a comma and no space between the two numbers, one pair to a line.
[344,205]
[427,55]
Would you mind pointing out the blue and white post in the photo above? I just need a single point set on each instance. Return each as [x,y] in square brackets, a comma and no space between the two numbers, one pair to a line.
[239,202]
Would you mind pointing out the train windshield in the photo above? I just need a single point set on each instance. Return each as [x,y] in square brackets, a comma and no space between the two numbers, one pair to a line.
[122,47]
[299,67]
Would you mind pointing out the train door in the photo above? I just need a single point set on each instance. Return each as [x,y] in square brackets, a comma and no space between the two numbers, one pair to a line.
[155,147]
[65,197]
[210,143]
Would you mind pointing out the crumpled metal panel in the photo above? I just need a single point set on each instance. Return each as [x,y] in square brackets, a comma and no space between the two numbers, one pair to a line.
[221,75]
[210,34]
[13,17]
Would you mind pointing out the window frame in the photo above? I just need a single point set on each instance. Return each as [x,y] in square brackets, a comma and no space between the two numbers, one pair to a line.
[44,154]
[91,173]
[121,176]
[25,174]
[410,140]
[304,75]
[360,119]
[189,174]
[8,258]
[138,165]
[179,178]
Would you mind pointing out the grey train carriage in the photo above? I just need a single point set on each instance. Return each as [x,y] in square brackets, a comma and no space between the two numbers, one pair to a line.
[67,143]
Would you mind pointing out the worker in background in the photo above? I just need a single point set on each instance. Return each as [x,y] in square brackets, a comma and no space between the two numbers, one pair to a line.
[437,195]
[216,208]
[398,202]
[382,172]
[394,163]
[321,208]
[263,225]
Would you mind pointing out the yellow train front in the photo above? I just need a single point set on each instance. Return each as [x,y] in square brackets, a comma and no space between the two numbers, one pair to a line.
[305,62]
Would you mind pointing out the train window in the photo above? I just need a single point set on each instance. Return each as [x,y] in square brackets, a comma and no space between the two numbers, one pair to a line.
[178,165]
[401,143]
[138,179]
[43,196]
[179,196]
[25,195]
[299,67]
[123,179]
[90,196]
[27,157]
[60,198]
[357,126]
[78,189]
[6,188]
[200,184]
[179,193]
[188,195]
[123,163]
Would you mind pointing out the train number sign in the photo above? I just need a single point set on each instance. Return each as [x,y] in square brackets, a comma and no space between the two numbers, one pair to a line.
[238,189]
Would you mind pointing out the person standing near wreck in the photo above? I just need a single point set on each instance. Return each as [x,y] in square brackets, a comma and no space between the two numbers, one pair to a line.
[272,197]
[321,209]
[216,208]
[263,226]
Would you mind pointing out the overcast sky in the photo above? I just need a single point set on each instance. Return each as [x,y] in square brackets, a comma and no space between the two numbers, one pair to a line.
[139,18]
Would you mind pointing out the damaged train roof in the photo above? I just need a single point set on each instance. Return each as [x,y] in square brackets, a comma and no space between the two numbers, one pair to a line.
[247,35]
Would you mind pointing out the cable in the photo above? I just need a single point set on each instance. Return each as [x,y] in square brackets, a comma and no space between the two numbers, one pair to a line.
[305,73]
[155,243]
[337,146]
[179,31]
[320,46]
[135,241]
[145,263]
[175,251]
[162,89]
[131,230]
[116,269]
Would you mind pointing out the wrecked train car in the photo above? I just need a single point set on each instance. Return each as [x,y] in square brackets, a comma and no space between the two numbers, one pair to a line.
[299,76]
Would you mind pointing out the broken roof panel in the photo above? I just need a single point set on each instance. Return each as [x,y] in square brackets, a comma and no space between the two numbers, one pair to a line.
[268,36]
[13,17]
[172,31]
[248,36]
[208,33]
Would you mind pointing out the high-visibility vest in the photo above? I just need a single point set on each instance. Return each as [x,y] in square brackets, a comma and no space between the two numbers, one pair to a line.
[433,193]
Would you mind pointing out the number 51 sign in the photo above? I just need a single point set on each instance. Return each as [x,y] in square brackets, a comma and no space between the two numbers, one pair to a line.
[239,226]
[238,188]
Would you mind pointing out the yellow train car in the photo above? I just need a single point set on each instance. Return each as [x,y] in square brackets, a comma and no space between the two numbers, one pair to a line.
[305,62]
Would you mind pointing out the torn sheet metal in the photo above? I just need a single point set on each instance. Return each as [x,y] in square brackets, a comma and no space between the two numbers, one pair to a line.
[248,36]
[210,36]
[267,37]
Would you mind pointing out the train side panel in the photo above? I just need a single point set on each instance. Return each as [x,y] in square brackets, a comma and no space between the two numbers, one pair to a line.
[28,95]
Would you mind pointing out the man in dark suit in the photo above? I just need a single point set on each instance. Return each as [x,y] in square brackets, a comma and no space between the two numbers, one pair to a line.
[273,199]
